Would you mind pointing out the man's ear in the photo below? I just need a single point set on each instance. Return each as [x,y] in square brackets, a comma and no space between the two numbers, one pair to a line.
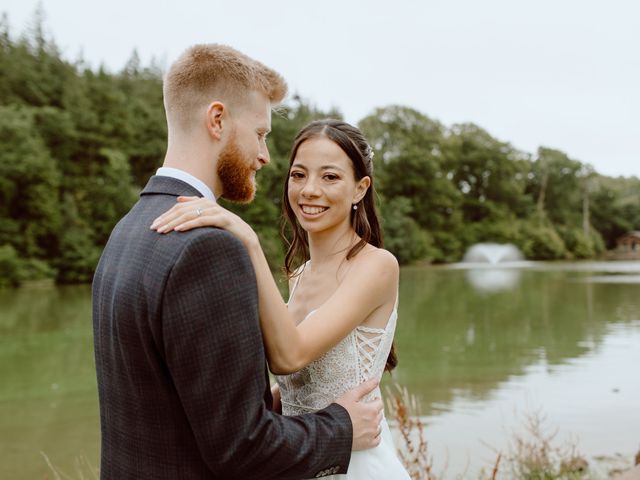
[216,116]
[361,189]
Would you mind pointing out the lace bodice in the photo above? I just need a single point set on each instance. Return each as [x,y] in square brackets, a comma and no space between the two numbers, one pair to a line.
[361,355]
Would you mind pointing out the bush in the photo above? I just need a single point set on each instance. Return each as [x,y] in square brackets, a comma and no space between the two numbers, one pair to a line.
[35,269]
[11,267]
[78,256]
[540,241]
[581,245]
[505,231]
[447,247]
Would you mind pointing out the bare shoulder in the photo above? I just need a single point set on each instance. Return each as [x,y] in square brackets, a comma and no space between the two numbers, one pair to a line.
[380,258]
[375,274]
[378,263]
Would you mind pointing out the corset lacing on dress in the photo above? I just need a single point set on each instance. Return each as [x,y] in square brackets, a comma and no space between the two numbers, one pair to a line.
[361,355]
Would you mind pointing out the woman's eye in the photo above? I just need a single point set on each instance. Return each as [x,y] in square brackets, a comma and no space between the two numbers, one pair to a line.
[331,177]
[297,175]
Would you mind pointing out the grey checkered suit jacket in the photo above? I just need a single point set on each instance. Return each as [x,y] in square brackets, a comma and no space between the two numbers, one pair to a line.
[182,382]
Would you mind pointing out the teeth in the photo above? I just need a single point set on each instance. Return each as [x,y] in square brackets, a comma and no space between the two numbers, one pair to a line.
[313,210]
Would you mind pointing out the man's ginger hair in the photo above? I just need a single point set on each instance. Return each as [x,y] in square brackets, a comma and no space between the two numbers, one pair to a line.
[210,72]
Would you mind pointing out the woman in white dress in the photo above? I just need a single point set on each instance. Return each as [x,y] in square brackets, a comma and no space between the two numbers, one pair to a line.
[337,329]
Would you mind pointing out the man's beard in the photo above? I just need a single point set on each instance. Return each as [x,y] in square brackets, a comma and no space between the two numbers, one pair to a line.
[235,174]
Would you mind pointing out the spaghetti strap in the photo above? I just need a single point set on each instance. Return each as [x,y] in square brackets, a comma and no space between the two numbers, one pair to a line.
[295,285]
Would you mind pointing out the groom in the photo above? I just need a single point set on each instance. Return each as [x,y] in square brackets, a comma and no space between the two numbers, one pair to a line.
[183,387]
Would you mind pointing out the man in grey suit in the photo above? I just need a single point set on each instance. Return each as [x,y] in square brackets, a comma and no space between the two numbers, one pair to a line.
[181,369]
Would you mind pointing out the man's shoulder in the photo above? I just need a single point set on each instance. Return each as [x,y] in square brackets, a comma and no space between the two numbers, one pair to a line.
[209,253]
[207,235]
[210,242]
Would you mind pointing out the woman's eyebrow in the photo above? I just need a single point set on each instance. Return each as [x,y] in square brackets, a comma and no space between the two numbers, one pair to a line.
[331,167]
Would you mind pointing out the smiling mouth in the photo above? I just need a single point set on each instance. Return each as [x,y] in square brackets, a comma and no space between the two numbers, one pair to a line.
[308,210]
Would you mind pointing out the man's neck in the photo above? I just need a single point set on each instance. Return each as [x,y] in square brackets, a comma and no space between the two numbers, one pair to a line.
[193,162]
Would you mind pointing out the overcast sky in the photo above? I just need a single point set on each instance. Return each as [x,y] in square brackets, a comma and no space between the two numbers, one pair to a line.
[559,73]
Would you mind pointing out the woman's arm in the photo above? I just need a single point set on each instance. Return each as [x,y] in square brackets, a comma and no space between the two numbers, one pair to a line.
[366,287]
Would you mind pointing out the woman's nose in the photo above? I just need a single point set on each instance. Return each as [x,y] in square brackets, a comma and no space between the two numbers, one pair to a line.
[310,188]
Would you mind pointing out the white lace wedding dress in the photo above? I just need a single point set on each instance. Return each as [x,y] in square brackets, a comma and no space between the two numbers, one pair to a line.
[359,356]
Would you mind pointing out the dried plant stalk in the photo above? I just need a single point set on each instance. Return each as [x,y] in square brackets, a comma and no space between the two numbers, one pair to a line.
[414,450]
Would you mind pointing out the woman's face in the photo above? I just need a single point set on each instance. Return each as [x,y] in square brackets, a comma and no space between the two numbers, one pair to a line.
[321,186]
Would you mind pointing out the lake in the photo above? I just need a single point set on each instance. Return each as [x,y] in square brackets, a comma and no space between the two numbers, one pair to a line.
[481,348]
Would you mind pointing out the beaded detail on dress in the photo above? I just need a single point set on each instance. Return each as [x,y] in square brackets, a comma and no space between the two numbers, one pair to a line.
[361,355]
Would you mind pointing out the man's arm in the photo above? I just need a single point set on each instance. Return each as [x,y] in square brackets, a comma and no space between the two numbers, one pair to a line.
[215,354]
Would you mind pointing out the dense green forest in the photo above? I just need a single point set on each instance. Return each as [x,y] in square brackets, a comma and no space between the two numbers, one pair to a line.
[79,143]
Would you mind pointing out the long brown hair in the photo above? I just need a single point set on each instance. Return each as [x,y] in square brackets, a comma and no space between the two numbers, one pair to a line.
[364,219]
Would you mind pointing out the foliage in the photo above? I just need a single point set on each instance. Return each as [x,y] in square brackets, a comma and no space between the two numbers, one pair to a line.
[614,207]
[540,241]
[411,165]
[80,143]
[11,268]
[403,235]
[490,174]
[580,244]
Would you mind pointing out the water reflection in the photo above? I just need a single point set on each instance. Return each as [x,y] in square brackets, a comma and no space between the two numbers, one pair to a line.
[48,401]
[463,350]
[624,278]
[492,280]
[591,401]
[547,313]
[43,308]
[498,273]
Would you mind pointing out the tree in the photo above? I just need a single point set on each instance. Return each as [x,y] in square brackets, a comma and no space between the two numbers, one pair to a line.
[555,181]
[29,181]
[615,207]
[409,163]
[491,175]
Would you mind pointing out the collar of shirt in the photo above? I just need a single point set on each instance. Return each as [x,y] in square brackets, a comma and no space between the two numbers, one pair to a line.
[187,178]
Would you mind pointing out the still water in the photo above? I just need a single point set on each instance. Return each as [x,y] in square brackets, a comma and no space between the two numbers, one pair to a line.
[484,349]
[481,349]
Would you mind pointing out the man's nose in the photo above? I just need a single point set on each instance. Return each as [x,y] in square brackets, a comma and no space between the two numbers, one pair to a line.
[263,156]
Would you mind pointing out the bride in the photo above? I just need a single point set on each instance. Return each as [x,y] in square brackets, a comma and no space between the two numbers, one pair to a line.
[337,329]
